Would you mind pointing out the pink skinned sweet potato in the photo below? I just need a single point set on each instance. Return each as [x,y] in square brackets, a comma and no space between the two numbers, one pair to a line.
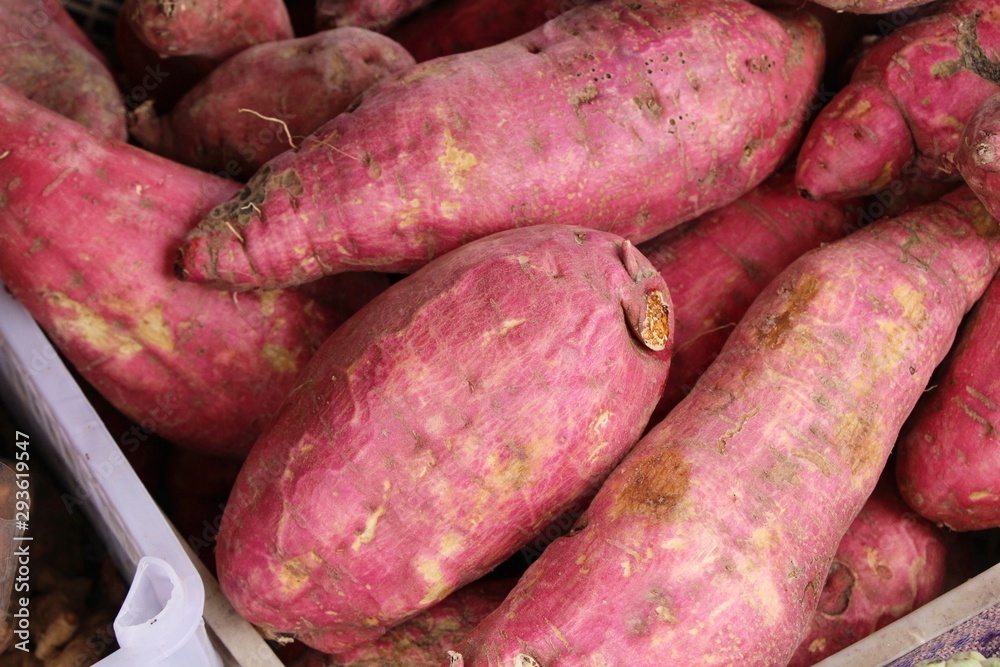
[425,638]
[218,125]
[441,428]
[41,61]
[216,29]
[88,228]
[457,26]
[718,264]
[710,542]
[378,15]
[979,154]
[889,563]
[630,123]
[948,465]
[907,104]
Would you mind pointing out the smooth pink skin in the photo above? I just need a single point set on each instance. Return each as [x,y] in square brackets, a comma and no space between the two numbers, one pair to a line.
[906,106]
[890,562]
[710,543]
[417,168]
[458,26]
[309,81]
[88,227]
[439,430]
[979,154]
[41,61]
[949,457]
[378,15]
[216,29]
[425,638]
[718,264]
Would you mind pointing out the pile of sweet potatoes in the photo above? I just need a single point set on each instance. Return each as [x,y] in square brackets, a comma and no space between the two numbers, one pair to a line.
[675,291]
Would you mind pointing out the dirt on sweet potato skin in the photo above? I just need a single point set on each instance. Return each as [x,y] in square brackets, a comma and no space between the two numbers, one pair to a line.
[758,473]
[443,427]
[53,68]
[979,154]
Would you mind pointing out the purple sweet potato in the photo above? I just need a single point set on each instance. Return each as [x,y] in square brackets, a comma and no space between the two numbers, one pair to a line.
[907,103]
[379,15]
[717,265]
[457,26]
[616,115]
[890,562]
[424,639]
[87,231]
[229,122]
[948,465]
[979,154]
[215,29]
[441,428]
[51,67]
[710,543]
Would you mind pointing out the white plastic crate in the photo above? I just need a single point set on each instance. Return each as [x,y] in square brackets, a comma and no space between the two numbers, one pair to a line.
[163,619]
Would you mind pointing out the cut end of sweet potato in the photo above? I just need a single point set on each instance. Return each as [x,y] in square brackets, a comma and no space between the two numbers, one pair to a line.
[655,331]
[858,145]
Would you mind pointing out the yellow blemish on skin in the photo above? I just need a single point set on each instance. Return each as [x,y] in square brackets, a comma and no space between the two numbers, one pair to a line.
[863,107]
[829,139]
[267,301]
[154,331]
[408,216]
[626,568]
[912,303]
[456,162]
[600,422]
[369,533]
[769,599]
[980,495]
[386,485]
[674,544]
[451,544]
[450,209]
[280,359]
[885,176]
[505,327]
[665,614]
[293,575]
[91,327]
[430,570]
[817,644]
[370,622]
[762,539]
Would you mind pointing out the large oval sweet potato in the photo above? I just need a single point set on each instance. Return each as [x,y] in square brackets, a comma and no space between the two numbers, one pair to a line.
[710,543]
[443,426]
[626,116]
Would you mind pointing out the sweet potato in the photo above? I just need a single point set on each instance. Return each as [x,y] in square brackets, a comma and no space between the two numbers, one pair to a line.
[47,65]
[710,543]
[424,639]
[890,562]
[442,427]
[636,125]
[230,122]
[215,29]
[87,231]
[979,154]
[378,15]
[457,26]
[717,265]
[907,103]
[949,457]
